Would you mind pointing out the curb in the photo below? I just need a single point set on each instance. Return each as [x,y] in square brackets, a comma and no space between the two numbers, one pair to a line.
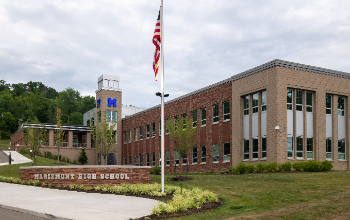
[29,212]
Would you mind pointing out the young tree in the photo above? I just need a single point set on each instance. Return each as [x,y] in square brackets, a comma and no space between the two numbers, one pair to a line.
[82,157]
[104,132]
[34,137]
[182,134]
[59,134]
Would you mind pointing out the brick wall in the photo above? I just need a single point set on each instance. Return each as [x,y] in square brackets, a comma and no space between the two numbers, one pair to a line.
[209,135]
[67,175]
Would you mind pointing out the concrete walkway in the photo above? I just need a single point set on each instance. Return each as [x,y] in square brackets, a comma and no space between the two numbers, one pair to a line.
[16,157]
[62,204]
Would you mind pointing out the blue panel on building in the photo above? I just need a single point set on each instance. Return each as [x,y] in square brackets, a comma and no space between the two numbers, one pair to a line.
[112,102]
[98,103]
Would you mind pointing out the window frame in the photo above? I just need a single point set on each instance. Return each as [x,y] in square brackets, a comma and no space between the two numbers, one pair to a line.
[292,150]
[263,144]
[344,149]
[184,159]
[263,101]
[147,159]
[203,154]
[141,133]
[203,120]
[167,158]
[194,155]
[194,118]
[153,129]
[255,149]
[215,113]
[246,155]
[225,155]
[289,98]
[215,153]
[299,100]
[141,159]
[328,102]
[300,147]
[341,104]
[226,110]
[329,154]
[255,103]
[147,131]
[136,160]
[309,102]
[177,157]
[136,134]
[246,105]
[310,145]
[153,159]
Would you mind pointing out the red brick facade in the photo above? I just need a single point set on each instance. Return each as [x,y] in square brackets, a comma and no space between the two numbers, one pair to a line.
[67,175]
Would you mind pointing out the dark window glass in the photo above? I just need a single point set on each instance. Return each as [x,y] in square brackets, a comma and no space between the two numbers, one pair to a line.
[194,119]
[263,147]
[246,149]
[299,101]
[141,133]
[328,104]
[204,154]
[227,150]
[255,148]
[263,101]
[215,113]
[194,155]
[341,105]
[255,103]
[147,131]
[203,116]
[309,101]
[289,99]
[246,105]
[226,110]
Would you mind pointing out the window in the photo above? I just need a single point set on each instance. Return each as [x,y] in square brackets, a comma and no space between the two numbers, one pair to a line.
[328,104]
[226,110]
[176,122]
[147,131]
[263,148]
[160,128]
[263,101]
[290,147]
[215,153]
[184,159]
[136,160]
[167,156]
[166,126]
[215,113]
[289,99]
[183,118]
[141,160]
[125,161]
[310,148]
[309,101]
[203,154]
[136,134]
[246,149]
[227,149]
[111,116]
[177,157]
[203,116]
[299,101]
[141,133]
[341,105]
[88,123]
[246,105]
[130,160]
[328,149]
[300,147]
[341,149]
[255,149]
[194,155]
[255,102]
[125,137]
[147,159]
[194,119]
[130,136]
[153,159]
[153,129]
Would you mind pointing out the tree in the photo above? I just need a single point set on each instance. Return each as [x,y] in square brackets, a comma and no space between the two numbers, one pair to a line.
[76,118]
[182,134]
[59,134]
[82,157]
[8,124]
[34,137]
[104,133]
[68,102]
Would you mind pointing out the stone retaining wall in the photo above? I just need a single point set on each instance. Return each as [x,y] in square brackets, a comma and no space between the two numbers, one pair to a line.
[87,175]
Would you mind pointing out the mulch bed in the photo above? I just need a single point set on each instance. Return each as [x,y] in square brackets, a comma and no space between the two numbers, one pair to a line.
[180,178]
[205,207]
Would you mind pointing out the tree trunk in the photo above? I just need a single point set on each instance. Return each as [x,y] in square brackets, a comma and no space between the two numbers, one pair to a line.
[104,157]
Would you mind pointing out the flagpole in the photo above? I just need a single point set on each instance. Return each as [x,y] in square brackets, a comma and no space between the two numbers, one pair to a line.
[162,90]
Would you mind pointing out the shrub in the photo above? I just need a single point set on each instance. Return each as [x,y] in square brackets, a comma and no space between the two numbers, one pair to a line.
[287,166]
[75,162]
[63,159]
[155,171]
[261,167]
[250,168]
[231,170]
[313,166]
[327,165]
[38,153]
[298,166]
[55,157]
[67,160]
[272,167]
[23,150]
[83,159]
[241,168]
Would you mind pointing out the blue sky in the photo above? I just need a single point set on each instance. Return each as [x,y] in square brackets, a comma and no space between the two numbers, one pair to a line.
[71,43]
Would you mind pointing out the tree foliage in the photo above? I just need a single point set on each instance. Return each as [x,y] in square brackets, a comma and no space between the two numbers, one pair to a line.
[33,101]
[35,137]
[59,134]
[103,133]
[182,134]
[83,159]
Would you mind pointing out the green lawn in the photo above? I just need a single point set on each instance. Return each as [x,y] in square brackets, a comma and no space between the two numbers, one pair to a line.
[13,170]
[4,144]
[324,195]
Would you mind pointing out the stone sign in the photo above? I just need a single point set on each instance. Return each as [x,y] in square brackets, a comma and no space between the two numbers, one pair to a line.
[89,175]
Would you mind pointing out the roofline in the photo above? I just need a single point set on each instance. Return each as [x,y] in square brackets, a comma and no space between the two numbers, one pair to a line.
[52,127]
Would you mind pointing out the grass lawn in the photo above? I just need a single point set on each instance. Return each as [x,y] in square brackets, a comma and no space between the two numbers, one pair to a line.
[13,170]
[4,144]
[324,195]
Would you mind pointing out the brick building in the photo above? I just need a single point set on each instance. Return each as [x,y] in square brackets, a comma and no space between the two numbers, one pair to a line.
[279,111]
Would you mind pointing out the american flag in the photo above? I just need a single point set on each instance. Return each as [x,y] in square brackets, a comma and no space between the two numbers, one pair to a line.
[156,41]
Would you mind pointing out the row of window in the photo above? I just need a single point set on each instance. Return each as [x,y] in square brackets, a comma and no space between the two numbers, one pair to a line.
[255,103]
[255,149]
[202,158]
[203,116]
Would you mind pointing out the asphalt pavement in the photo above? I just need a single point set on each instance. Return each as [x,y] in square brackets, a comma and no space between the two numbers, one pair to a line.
[61,204]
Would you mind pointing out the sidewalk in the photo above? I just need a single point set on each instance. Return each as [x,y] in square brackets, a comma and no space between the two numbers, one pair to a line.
[16,157]
[62,204]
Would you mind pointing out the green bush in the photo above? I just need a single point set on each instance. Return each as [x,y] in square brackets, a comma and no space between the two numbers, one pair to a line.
[287,166]
[55,157]
[23,150]
[313,166]
[272,167]
[38,153]
[67,160]
[299,166]
[327,165]
[250,168]
[261,167]
[241,168]
[75,162]
[63,159]
[155,171]
[231,170]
